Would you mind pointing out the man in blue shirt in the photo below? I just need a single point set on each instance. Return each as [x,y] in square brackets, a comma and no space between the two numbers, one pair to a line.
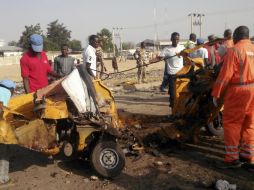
[6,90]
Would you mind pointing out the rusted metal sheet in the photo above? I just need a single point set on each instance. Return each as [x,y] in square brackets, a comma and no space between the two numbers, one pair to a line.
[7,134]
[84,132]
[36,135]
[106,103]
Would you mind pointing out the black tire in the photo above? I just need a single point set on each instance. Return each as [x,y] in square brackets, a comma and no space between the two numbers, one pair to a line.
[107,159]
[216,128]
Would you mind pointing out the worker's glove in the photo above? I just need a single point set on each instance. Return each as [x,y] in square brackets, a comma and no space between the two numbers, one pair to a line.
[215,102]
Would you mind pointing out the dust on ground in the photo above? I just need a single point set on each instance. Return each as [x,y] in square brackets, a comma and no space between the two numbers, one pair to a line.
[173,166]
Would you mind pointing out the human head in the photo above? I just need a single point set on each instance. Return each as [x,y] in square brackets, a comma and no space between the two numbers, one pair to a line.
[228,34]
[64,50]
[9,84]
[193,37]
[175,37]
[94,41]
[241,33]
[200,41]
[143,45]
[36,42]
[211,37]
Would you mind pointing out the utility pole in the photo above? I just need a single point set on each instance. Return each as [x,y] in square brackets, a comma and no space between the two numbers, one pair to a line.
[200,24]
[191,15]
[196,20]
[155,27]
[117,34]
[113,42]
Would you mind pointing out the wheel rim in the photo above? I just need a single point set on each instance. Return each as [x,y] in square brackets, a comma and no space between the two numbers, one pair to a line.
[109,158]
[217,122]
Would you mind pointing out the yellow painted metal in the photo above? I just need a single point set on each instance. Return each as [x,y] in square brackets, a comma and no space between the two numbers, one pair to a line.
[7,133]
[84,132]
[55,109]
[22,104]
[31,132]
[182,94]
[104,94]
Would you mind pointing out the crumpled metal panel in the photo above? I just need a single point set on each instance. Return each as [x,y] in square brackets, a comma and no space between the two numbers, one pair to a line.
[55,109]
[36,135]
[23,105]
[7,134]
[106,103]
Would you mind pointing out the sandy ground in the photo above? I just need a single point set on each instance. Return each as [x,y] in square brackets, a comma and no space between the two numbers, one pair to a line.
[183,166]
[13,71]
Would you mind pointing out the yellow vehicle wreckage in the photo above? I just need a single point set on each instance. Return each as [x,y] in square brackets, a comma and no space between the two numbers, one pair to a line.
[193,106]
[77,116]
[67,116]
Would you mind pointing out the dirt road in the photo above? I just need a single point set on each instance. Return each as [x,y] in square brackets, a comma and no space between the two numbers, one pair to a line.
[175,166]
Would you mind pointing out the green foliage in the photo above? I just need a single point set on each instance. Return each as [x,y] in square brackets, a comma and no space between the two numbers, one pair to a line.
[29,30]
[58,34]
[49,45]
[106,40]
[75,45]
[128,45]
[13,43]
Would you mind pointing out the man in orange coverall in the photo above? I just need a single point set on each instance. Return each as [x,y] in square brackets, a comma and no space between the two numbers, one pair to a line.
[236,82]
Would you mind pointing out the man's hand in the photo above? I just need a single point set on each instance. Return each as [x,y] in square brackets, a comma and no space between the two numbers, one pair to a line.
[215,102]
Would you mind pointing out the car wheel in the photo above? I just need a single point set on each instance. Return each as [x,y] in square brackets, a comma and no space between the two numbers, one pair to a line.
[107,159]
[216,128]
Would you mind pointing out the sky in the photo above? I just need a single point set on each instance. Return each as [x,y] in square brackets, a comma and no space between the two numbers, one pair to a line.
[139,19]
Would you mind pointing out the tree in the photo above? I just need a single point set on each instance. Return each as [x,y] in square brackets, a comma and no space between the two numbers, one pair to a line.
[29,30]
[75,45]
[58,34]
[106,39]
[49,45]
[128,45]
[13,43]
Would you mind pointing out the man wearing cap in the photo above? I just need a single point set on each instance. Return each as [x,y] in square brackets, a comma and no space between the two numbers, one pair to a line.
[34,65]
[201,52]
[6,90]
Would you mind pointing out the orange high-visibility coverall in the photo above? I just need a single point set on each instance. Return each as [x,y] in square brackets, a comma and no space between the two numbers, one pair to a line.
[236,80]
[228,43]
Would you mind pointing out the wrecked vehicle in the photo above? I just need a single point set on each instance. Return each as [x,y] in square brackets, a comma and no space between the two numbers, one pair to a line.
[74,116]
[193,100]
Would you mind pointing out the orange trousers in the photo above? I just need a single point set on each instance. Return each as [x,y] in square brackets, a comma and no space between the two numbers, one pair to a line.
[238,123]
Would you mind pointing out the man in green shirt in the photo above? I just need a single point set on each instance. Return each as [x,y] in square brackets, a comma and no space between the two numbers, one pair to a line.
[64,64]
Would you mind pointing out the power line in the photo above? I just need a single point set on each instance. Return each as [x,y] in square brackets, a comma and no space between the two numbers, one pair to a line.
[183,18]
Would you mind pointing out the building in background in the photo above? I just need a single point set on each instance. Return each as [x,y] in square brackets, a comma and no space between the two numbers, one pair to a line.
[6,51]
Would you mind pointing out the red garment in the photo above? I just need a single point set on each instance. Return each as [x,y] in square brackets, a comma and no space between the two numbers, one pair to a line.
[215,53]
[236,80]
[35,69]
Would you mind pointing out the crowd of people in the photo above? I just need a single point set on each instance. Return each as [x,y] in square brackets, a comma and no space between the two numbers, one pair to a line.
[235,82]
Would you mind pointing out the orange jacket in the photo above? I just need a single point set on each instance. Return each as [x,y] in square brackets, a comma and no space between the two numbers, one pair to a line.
[237,69]
[228,43]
